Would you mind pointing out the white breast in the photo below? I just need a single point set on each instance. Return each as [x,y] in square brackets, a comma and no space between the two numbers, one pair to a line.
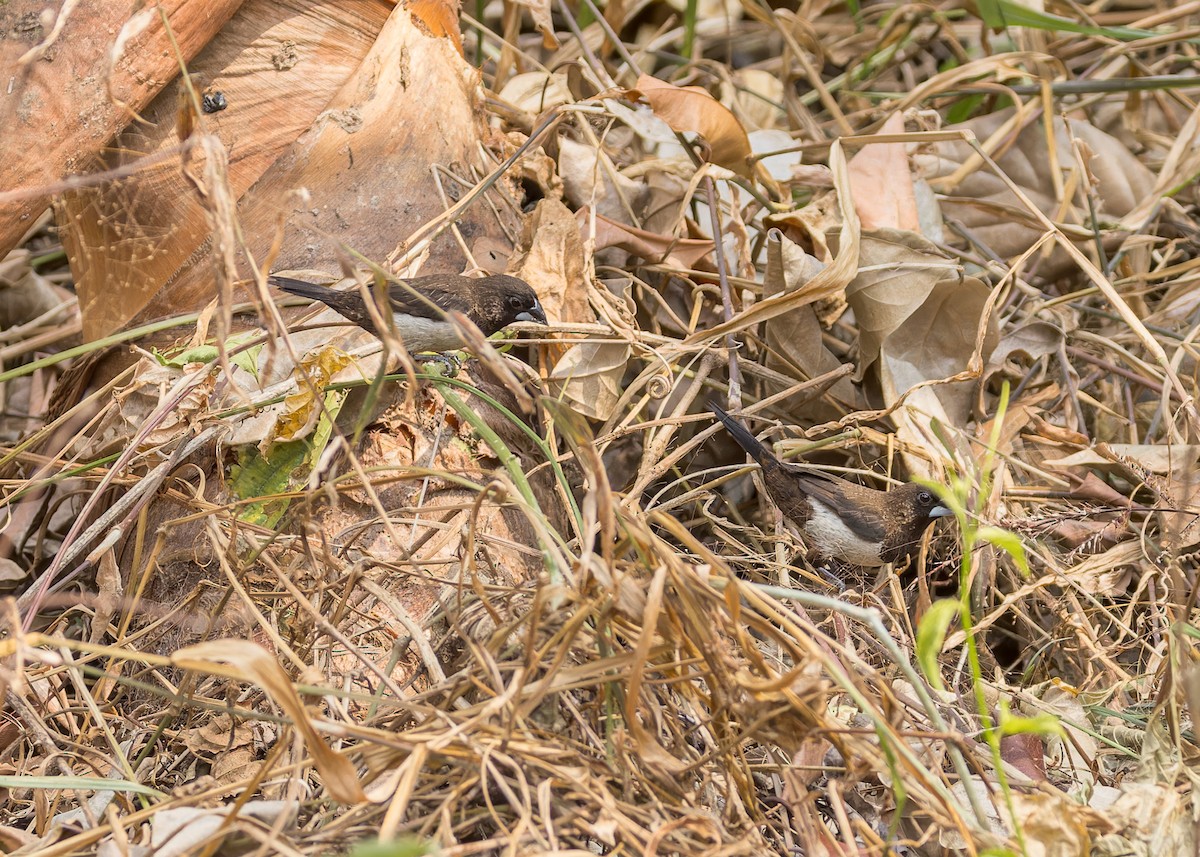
[428,334]
[837,540]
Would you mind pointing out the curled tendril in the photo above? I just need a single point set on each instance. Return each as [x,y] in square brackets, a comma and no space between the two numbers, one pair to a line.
[660,386]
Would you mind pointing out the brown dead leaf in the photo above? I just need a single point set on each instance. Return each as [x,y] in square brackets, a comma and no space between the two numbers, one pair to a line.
[177,831]
[1025,753]
[829,282]
[1016,352]
[1152,457]
[219,733]
[1168,470]
[302,408]
[245,661]
[881,182]
[155,384]
[981,201]
[1150,816]
[1049,432]
[919,316]
[1073,754]
[24,293]
[755,95]
[795,336]
[672,252]
[1091,534]
[938,341]
[109,594]
[1029,341]
[590,179]
[1091,488]
[1054,825]
[552,262]
[589,377]
[691,108]
[539,10]
[536,91]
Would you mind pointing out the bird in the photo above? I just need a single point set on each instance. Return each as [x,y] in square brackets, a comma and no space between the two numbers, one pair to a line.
[839,520]
[420,306]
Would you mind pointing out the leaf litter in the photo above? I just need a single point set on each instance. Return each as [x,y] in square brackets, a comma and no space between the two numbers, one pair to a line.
[261,599]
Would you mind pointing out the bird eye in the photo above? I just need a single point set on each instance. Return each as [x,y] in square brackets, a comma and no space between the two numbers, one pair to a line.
[925,498]
[514,301]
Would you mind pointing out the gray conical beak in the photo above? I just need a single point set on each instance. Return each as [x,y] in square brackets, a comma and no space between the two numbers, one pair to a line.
[939,512]
[534,313]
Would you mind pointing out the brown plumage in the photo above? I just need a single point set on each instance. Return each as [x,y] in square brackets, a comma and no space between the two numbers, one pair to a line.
[840,520]
[419,306]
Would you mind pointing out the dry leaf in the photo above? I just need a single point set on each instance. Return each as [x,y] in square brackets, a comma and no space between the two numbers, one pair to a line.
[1031,341]
[154,385]
[755,95]
[187,830]
[982,202]
[1153,457]
[1056,826]
[796,334]
[672,252]
[302,408]
[1151,817]
[245,661]
[882,185]
[691,108]
[540,11]
[536,92]
[589,376]
[1109,572]
[552,262]
[898,272]
[590,179]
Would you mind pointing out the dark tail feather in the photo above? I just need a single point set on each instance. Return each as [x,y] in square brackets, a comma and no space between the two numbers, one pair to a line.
[348,303]
[742,435]
[301,288]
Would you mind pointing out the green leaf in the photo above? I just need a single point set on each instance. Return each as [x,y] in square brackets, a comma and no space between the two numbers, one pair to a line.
[99,784]
[1002,14]
[285,467]
[931,635]
[405,847]
[1044,724]
[1007,541]
[963,109]
[247,359]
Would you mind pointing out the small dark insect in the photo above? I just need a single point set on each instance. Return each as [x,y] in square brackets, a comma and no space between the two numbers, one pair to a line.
[214,102]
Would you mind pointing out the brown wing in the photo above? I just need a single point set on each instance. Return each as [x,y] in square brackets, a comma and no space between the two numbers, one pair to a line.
[433,301]
[786,492]
[855,504]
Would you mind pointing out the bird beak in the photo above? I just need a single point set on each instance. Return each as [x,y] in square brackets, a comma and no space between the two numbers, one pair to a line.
[534,313]
[939,512]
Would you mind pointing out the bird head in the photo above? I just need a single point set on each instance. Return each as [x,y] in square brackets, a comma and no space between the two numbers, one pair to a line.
[500,300]
[917,504]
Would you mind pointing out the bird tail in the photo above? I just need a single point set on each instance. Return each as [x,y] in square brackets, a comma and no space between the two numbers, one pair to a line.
[742,435]
[299,287]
